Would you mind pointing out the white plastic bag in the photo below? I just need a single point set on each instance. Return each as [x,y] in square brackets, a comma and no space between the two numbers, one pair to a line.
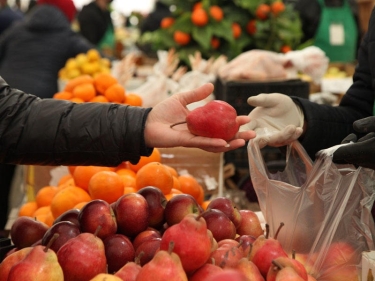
[323,205]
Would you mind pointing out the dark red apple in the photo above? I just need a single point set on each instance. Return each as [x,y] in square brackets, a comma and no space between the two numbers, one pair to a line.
[69,215]
[147,250]
[132,214]
[144,236]
[179,206]
[118,251]
[66,231]
[226,205]
[98,212]
[219,224]
[26,231]
[156,204]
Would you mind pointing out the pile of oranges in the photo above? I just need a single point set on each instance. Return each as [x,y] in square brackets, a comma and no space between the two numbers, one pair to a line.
[85,183]
[102,87]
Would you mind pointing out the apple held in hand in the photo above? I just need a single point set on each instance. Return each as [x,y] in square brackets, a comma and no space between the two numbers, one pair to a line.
[216,119]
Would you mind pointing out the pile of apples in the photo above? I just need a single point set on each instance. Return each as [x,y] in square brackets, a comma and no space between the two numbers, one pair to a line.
[142,236]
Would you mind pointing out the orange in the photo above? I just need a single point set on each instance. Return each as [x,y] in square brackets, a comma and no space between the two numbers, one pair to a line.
[63,95]
[284,49]
[181,38]
[80,205]
[199,17]
[200,198]
[189,185]
[277,8]
[133,99]
[82,79]
[154,174]
[198,5]
[172,193]
[48,219]
[123,165]
[64,179]
[45,195]
[85,91]
[129,181]
[176,183]
[99,98]
[106,185]
[126,172]
[167,22]
[128,189]
[215,42]
[205,204]
[27,209]
[42,211]
[236,29]
[154,157]
[115,93]
[172,170]
[216,12]
[69,182]
[71,169]
[77,100]
[103,81]
[67,198]
[83,174]
[251,27]
[262,11]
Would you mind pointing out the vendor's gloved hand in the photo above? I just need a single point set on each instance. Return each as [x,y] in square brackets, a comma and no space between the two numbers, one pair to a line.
[361,152]
[276,114]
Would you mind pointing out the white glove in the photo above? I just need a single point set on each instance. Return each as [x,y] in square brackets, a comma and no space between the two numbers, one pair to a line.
[311,61]
[276,119]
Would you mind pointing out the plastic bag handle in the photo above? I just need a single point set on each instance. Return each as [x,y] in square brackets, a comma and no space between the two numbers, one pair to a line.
[302,154]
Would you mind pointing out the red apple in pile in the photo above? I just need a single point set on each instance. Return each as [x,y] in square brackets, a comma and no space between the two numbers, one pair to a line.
[225,205]
[179,206]
[26,231]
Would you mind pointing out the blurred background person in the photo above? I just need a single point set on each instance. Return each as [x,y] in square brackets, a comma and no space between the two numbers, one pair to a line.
[8,15]
[96,25]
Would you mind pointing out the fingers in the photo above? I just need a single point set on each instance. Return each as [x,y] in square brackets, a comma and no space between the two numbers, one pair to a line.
[367,137]
[350,138]
[265,100]
[195,95]
[365,125]
[242,119]
[281,138]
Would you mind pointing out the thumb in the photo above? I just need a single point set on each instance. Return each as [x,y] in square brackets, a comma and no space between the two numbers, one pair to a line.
[195,95]
[263,100]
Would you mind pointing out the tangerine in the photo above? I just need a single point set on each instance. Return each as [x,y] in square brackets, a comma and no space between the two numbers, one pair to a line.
[154,157]
[85,91]
[133,99]
[236,29]
[45,195]
[107,186]
[216,12]
[154,174]
[63,95]
[189,185]
[67,198]
[82,79]
[27,209]
[83,174]
[126,172]
[103,81]
[115,93]
[262,11]
[167,22]
[199,17]
[215,42]
[277,8]
[64,179]
[99,98]
[181,38]
[251,27]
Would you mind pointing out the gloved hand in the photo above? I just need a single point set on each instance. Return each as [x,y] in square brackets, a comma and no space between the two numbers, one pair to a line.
[361,152]
[278,116]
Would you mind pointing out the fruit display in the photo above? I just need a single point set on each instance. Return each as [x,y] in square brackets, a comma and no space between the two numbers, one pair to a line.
[119,241]
[103,87]
[227,28]
[89,63]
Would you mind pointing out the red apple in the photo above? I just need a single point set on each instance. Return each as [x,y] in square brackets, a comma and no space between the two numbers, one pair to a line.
[69,215]
[250,224]
[132,214]
[179,206]
[118,251]
[25,231]
[144,236]
[147,250]
[226,205]
[156,204]
[219,224]
[66,231]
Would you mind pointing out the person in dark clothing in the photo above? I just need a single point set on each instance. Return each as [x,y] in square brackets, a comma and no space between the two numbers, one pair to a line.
[319,126]
[8,15]
[152,21]
[33,51]
[95,24]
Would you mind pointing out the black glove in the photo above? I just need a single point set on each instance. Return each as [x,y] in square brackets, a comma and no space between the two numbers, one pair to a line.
[361,152]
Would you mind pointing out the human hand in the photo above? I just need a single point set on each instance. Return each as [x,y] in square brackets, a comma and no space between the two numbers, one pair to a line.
[158,132]
[276,119]
[358,152]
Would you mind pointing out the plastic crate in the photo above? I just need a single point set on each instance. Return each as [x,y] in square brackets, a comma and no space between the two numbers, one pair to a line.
[236,94]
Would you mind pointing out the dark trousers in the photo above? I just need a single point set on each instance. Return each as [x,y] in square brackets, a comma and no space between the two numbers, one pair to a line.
[6,176]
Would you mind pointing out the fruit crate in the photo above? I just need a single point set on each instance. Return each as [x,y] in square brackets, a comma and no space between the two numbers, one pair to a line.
[236,94]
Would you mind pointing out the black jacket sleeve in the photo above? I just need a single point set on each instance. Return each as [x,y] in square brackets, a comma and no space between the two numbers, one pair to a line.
[327,125]
[55,132]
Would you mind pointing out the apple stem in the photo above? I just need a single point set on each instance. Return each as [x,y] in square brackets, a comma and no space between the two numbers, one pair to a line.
[170,247]
[294,254]
[178,123]
[224,261]
[50,242]
[278,230]
[98,230]
[249,253]
[267,230]
[137,259]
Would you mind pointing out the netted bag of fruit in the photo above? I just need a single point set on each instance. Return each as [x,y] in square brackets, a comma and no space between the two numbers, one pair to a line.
[325,208]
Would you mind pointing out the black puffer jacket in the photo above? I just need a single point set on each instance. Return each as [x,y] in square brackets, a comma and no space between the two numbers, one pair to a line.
[328,125]
[56,132]
[34,50]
